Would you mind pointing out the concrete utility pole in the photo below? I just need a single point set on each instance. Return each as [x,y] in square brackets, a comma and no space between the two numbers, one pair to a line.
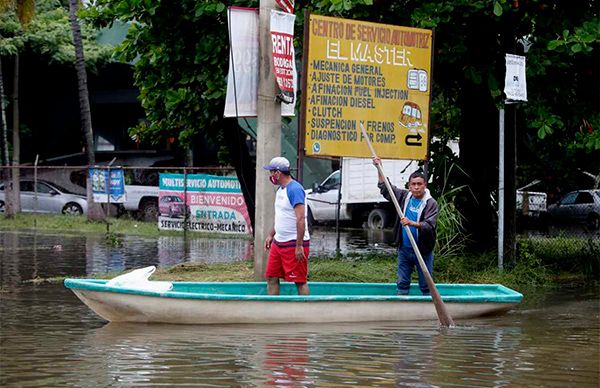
[268,139]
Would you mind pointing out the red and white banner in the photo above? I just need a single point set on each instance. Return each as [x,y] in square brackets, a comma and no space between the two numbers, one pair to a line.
[242,79]
[286,5]
[284,62]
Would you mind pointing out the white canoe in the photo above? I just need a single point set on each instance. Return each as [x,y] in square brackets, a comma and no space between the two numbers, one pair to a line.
[228,303]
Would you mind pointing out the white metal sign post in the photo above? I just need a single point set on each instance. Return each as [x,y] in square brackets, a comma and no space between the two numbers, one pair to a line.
[515,88]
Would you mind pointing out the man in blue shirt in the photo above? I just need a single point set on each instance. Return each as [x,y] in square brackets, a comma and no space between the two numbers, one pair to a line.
[288,241]
[420,214]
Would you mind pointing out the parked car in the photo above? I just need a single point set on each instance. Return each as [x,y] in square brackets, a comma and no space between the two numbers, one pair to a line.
[172,206]
[581,206]
[51,198]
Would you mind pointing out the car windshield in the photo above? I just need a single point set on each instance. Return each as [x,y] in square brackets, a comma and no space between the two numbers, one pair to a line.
[60,188]
[333,182]
[171,198]
[568,199]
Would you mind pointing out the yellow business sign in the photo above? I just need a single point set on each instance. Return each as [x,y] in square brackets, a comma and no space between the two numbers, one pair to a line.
[379,74]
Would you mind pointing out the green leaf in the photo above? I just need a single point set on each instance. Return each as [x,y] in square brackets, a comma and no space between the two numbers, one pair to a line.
[492,82]
[576,48]
[553,44]
[473,75]
[497,8]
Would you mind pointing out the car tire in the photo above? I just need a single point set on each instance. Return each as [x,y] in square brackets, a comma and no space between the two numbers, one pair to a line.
[377,219]
[72,209]
[593,221]
[2,207]
[149,210]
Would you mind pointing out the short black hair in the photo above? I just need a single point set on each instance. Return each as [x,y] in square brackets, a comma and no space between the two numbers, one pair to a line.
[418,174]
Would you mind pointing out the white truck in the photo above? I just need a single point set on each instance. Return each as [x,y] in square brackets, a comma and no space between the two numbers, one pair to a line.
[361,201]
[531,203]
[142,200]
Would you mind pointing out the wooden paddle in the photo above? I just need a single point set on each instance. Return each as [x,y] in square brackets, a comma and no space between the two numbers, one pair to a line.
[440,308]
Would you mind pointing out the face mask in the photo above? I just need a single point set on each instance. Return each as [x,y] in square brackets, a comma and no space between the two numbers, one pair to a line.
[273,180]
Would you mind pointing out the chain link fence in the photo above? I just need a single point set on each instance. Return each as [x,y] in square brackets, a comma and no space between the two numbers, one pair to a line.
[564,231]
[62,189]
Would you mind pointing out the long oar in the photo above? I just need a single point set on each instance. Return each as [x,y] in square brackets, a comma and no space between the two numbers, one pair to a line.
[440,308]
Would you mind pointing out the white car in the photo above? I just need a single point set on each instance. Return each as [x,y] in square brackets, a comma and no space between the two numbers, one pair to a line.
[50,198]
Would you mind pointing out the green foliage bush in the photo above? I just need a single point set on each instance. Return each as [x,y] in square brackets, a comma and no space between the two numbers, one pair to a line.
[571,254]
[451,239]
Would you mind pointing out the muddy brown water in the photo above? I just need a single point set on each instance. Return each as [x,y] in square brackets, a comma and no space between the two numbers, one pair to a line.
[48,338]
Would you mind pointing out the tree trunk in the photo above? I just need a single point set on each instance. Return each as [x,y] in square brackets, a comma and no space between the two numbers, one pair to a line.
[479,158]
[5,172]
[13,194]
[4,151]
[479,137]
[94,210]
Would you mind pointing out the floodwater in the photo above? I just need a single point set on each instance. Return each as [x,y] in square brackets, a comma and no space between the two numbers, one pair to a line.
[48,338]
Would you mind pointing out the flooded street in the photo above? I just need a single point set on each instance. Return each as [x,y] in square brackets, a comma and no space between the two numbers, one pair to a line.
[48,338]
[28,255]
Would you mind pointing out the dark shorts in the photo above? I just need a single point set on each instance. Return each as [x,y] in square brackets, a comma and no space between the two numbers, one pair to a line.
[282,262]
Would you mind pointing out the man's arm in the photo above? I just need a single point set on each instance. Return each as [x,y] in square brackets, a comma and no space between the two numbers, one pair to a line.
[381,183]
[269,239]
[377,162]
[429,217]
[300,229]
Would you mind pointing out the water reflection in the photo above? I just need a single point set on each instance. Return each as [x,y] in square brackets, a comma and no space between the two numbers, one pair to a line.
[49,338]
[364,354]
[31,254]
[323,241]
[26,255]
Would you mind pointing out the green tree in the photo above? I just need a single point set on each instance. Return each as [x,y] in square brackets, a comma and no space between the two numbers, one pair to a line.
[180,50]
[47,34]
[24,11]
[94,211]
[557,128]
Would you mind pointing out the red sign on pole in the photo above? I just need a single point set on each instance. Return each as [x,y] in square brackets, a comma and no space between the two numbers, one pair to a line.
[282,36]
[286,5]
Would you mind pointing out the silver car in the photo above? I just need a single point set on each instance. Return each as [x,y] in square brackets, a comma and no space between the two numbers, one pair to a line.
[51,198]
[581,206]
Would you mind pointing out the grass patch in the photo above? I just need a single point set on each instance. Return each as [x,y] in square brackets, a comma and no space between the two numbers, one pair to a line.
[562,253]
[80,224]
[355,270]
[521,277]
[231,272]
[541,262]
